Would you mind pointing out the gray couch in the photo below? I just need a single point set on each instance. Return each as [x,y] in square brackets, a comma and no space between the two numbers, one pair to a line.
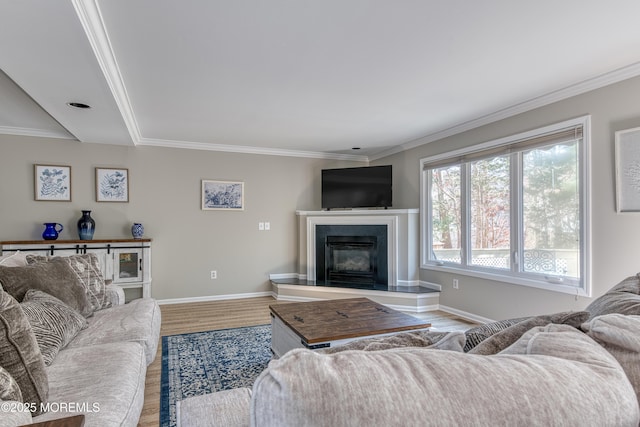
[100,372]
[569,369]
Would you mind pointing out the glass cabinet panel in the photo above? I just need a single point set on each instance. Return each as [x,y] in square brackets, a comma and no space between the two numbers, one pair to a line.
[127,265]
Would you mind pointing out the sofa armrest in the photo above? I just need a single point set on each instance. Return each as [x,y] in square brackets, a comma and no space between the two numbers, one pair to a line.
[224,408]
[115,294]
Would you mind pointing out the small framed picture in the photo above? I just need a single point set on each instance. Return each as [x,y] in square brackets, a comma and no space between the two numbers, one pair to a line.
[627,151]
[52,183]
[222,195]
[112,185]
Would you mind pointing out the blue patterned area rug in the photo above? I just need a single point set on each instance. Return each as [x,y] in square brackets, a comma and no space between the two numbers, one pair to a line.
[206,362]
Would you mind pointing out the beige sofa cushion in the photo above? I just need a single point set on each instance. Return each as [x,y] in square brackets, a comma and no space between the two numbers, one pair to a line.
[55,278]
[19,353]
[228,408]
[105,382]
[138,321]
[620,335]
[558,377]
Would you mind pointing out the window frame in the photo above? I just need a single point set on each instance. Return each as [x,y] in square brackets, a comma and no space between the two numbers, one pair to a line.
[578,287]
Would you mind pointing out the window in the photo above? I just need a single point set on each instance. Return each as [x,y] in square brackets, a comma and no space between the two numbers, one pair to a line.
[514,209]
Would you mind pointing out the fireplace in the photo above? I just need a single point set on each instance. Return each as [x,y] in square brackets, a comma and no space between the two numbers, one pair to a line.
[351,254]
[351,259]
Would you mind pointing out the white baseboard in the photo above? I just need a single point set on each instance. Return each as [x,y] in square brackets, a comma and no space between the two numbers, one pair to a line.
[465,315]
[215,298]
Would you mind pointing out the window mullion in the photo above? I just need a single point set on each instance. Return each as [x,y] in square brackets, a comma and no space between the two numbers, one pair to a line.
[465,214]
[517,226]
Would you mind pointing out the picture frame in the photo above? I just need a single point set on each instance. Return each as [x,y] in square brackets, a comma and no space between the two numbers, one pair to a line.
[627,159]
[112,185]
[222,195]
[52,183]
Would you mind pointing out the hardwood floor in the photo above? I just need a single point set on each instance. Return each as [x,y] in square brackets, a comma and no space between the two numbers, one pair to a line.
[206,316]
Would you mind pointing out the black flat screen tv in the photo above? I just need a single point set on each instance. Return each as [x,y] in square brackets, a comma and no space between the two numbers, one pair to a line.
[365,187]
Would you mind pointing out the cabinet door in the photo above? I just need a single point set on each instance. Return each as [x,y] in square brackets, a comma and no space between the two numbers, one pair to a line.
[104,261]
[127,265]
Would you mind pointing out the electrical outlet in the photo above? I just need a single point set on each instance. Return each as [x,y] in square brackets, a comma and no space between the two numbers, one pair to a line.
[261,226]
[267,226]
[455,284]
[214,274]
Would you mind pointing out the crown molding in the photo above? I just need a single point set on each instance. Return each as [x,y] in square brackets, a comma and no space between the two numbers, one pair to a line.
[90,17]
[243,149]
[89,14]
[42,133]
[585,86]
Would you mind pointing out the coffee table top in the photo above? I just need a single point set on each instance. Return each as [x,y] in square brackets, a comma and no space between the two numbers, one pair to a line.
[331,320]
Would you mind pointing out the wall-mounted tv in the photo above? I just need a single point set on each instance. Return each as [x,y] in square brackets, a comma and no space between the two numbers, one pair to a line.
[365,187]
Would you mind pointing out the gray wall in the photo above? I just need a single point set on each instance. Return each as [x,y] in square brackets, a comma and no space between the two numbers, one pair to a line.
[614,236]
[165,197]
[189,242]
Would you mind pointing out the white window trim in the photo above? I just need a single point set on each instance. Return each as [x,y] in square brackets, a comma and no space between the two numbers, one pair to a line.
[584,288]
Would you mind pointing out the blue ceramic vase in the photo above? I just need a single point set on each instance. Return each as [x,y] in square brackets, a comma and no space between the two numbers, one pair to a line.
[137,230]
[86,226]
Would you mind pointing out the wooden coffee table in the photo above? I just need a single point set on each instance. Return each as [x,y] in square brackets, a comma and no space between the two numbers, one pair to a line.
[322,324]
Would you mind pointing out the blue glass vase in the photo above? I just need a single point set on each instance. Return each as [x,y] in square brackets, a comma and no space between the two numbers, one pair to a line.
[51,230]
[86,226]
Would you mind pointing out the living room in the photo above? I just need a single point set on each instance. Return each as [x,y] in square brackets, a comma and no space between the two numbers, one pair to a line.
[189,242]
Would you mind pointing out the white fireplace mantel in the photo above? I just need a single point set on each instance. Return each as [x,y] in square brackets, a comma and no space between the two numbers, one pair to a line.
[402,239]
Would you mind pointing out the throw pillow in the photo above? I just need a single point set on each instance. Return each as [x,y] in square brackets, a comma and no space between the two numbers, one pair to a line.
[17,259]
[620,335]
[19,353]
[88,272]
[55,278]
[53,322]
[453,341]
[9,388]
[476,335]
[503,339]
[623,298]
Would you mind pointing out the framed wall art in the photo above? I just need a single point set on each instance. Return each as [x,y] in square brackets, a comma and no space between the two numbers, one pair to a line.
[112,185]
[52,183]
[627,151]
[222,195]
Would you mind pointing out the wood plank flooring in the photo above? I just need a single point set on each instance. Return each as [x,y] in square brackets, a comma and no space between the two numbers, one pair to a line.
[207,316]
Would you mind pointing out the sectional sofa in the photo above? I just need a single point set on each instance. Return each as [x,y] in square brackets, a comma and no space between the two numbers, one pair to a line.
[566,369]
[69,344]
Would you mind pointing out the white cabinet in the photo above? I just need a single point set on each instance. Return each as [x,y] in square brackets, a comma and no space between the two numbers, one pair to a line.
[126,262]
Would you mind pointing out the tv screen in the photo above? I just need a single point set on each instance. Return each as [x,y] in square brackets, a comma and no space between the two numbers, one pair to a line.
[366,187]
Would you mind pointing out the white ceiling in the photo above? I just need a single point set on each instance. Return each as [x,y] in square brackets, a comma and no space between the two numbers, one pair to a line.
[299,77]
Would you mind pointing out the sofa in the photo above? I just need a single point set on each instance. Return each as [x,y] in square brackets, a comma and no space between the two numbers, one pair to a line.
[69,344]
[563,369]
